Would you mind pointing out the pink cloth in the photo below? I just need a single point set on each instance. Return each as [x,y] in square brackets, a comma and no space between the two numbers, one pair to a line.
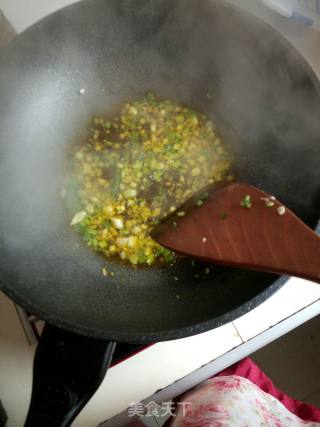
[243,396]
[246,368]
[234,401]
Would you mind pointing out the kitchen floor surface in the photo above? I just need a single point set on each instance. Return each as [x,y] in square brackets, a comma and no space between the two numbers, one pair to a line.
[292,362]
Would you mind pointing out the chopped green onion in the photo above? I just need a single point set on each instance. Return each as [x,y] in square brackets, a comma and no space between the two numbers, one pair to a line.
[246,202]
[269,203]
[135,170]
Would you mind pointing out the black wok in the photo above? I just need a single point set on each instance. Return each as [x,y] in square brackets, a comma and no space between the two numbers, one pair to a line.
[204,53]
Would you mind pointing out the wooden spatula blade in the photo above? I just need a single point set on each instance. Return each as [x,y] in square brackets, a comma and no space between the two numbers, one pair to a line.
[266,236]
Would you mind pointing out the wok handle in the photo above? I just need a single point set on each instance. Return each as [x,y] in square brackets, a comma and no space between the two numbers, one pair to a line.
[68,369]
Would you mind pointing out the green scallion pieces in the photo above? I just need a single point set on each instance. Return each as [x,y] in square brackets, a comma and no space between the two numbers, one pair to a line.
[246,202]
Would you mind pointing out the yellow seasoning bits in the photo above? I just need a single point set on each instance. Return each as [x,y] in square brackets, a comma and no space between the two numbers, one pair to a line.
[137,168]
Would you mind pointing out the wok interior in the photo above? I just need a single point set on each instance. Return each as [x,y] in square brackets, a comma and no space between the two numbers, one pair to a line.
[210,56]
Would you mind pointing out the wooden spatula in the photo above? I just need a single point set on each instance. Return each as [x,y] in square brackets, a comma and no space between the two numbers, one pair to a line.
[241,226]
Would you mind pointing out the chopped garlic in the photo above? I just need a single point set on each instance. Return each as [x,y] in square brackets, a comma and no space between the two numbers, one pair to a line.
[78,217]
[137,229]
[127,241]
[195,171]
[133,259]
[131,192]
[108,210]
[132,242]
[133,111]
[281,210]
[269,203]
[81,91]
[122,241]
[90,208]
[117,222]
[125,191]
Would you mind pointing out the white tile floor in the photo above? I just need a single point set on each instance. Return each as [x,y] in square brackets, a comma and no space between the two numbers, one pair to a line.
[161,420]
[149,421]
[275,310]
[293,362]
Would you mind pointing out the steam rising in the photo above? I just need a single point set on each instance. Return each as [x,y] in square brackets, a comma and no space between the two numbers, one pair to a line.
[203,53]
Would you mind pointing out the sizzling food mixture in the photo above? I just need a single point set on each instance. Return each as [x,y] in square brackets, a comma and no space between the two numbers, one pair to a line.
[136,169]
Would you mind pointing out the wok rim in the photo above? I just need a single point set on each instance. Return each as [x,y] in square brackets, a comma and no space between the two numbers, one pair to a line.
[150,337]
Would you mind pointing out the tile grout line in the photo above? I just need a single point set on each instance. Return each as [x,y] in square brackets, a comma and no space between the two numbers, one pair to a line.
[227,359]
[233,323]
[156,421]
[310,395]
